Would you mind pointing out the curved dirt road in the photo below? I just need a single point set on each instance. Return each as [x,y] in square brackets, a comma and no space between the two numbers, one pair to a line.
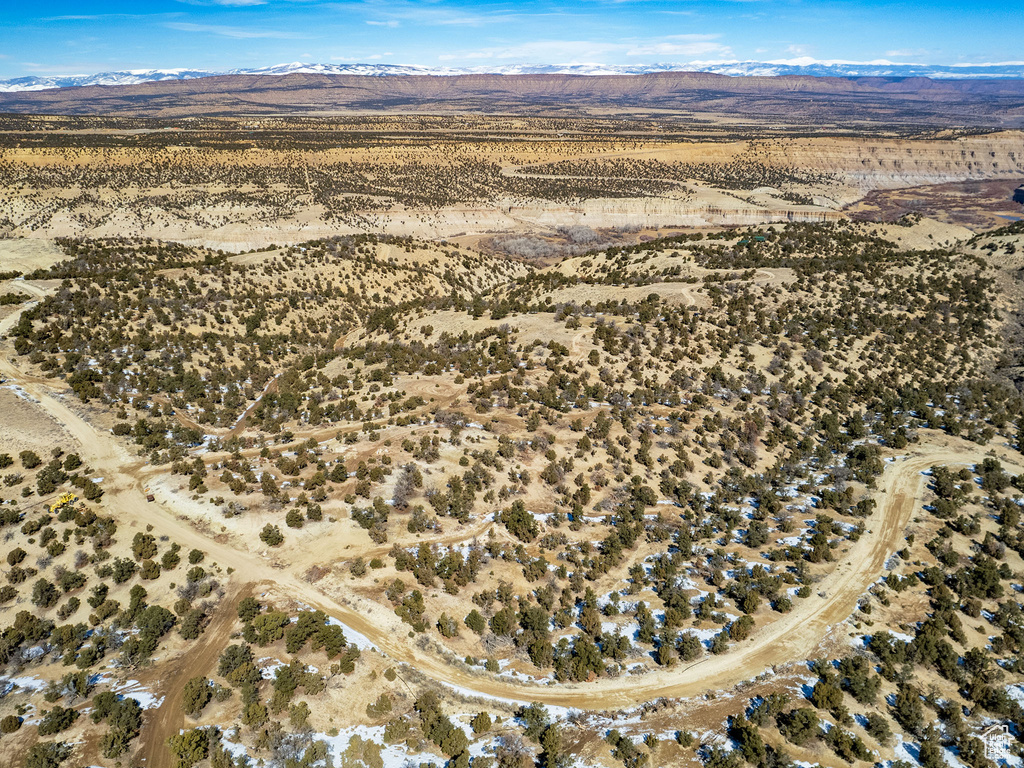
[792,636]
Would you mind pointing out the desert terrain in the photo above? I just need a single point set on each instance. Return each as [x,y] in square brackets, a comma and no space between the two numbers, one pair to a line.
[475,439]
[244,184]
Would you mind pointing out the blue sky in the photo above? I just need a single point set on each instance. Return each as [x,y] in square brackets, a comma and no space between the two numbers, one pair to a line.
[84,37]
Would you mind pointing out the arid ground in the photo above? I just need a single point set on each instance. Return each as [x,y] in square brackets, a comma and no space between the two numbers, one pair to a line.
[500,440]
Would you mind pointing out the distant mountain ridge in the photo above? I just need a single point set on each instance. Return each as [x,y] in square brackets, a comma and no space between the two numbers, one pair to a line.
[805,100]
[805,66]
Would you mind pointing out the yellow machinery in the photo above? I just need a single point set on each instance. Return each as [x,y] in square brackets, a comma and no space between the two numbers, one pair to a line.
[64,498]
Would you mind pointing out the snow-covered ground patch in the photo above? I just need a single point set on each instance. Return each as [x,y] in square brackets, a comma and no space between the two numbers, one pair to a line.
[1016,692]
[21,393]
[268,666]
[359,640]
[950,756]
[907,751]
[392,755]
[558,713]
[236,749]
[133,689]
[8,684]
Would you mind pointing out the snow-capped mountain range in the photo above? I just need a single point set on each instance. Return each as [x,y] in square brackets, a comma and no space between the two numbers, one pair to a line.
[801,66]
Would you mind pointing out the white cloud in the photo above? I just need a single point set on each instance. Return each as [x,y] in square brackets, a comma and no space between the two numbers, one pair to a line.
[104,16]
[391,23]
[241,33]
[903,53]
[589,52]
[810,61]
[989,64]
[82,17]
[422,14]
[681,45]
[226,3]
[70,70]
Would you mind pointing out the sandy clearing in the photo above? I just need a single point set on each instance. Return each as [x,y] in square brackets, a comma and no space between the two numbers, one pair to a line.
[25,427]
[26,255]
[675,293]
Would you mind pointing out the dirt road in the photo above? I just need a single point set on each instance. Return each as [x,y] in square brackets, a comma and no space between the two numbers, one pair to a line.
[794,635]
[200,659]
